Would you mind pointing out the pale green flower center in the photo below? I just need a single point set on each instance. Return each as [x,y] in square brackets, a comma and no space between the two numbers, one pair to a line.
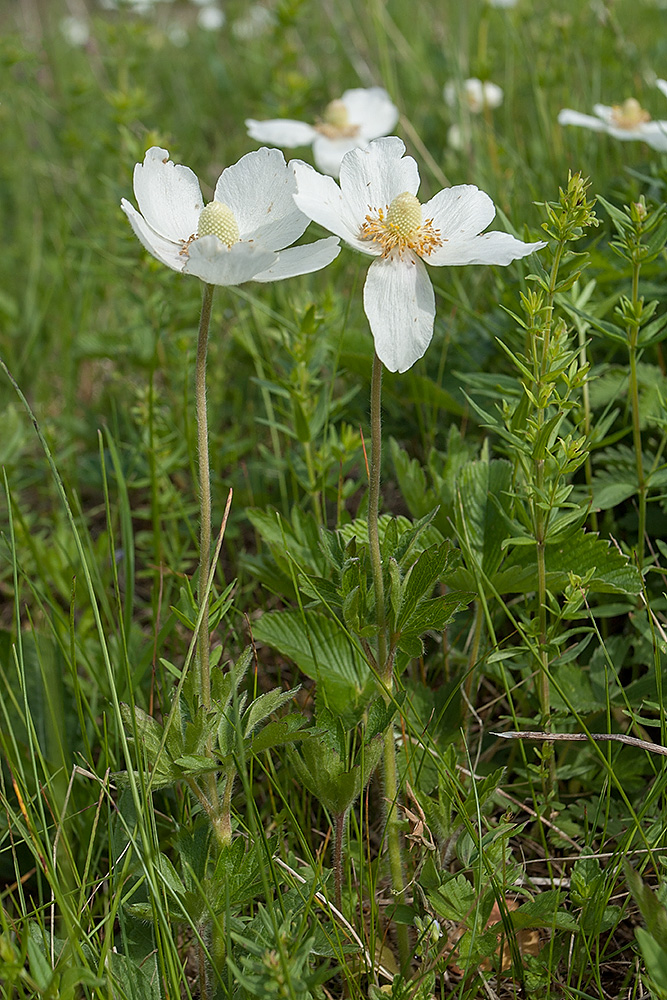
[217,219]
[405,214]
[336,114]
[629,114]
[400,227]
[335,123]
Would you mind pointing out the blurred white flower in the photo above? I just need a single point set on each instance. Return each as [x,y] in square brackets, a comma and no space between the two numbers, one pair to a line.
[240,236]
[502,3]
[627,121]
[376,210]
[456,137]
[475,95]
[348,122]
[177,34]
[76,30]
[257,21]
[211,18]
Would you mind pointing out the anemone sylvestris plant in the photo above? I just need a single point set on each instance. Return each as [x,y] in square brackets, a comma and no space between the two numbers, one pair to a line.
[376,211]
[245,233]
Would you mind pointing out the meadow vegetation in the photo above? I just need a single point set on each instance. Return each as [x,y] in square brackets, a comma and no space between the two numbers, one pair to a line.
[422,755]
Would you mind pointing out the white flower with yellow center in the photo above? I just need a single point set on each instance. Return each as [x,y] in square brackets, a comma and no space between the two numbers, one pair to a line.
[376,210]
[627,121]
[347,123]
[240,236]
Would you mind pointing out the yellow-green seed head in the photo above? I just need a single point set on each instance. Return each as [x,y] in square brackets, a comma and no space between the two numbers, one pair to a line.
[335,114]
[217,219]
[405,214]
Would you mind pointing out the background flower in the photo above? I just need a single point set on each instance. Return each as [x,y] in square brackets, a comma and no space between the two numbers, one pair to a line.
[353,120]
[375,210]
[474,94]
[627,121]
[240,235]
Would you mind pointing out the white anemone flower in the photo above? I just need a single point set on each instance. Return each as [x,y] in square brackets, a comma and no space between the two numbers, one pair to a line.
[376,210]
[627,121]
[211,18]
[474,94]
[240,236]
[347,123]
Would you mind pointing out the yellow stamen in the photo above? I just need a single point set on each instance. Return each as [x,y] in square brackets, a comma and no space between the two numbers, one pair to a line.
[217,219]
[629,114]
[400,227]
[335,122]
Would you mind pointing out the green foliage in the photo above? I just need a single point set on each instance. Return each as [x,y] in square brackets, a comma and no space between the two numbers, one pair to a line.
[328,765]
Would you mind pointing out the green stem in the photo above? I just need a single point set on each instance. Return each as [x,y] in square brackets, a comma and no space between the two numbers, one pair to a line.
[339,830]
[203,639]
[633,334]
[373,513]
[312,482]
[586,398]
[385,662]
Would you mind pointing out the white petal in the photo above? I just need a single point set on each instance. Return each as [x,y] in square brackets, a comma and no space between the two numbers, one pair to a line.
[473,94]
[400,306]
[168,195]
[662,85]
[372,110]
[604,112]
[459,212]
[259,190]
[489,248]
[493,95]
[328,153]
[655,134]
[320,198]
[281,132]
[449,93]
[302,260]
[569,117]
[217,264]
[165,250]
[370,178]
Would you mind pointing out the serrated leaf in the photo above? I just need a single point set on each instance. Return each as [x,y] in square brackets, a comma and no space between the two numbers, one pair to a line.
[264,706]
[543,911]
[454,899]
[148,729]
[323,651]
[608,493]
[482,493]
[278,733]
[435,614]
[420,581]
[613,573]
[192,764]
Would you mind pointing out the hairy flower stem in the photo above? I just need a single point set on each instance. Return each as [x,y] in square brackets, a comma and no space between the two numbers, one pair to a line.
[339,829]
[633,334]
[203,638]
[384,661]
